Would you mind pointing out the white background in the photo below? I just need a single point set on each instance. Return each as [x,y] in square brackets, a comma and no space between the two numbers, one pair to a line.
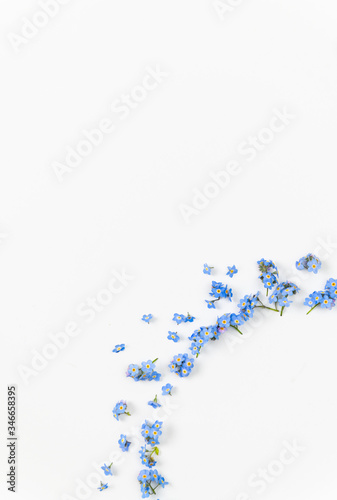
[121,209]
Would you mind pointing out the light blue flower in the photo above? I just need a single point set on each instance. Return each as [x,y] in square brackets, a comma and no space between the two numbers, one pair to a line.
[119,348]
[207,269]
[231,271]
[103,486]
[147,318]
[166,389]
[124,444]
[120,409]
[107,469]
[179,318]
[148,366]
[173,336]
[154,403]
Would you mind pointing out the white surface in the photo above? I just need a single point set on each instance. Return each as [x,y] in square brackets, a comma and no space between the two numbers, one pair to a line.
[120,209]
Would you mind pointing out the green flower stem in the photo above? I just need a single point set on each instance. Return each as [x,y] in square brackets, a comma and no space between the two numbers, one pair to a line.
[312,308]
[236,328]
[282,309]
[153,491]
[155,360]
[266,307]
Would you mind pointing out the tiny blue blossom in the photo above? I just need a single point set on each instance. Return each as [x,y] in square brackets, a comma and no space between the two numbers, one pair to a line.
[119,348]
[120,409]
[173,336]
[166,389]
[147,318]
[148,366]
[154,403]
[124,444]
[207,269]
[179,318]
[231,271]
[107,469]
[189,318]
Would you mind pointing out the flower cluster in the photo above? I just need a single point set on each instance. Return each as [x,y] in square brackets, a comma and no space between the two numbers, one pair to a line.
[219,291]
[269,273]
[325,298]
[246,312]
[181,365]
[282,293]
[246,307]
[150,433]
[309,262]
[146,456]
[149,481]
[144,372]
[124,444]
[200,338]
[181,318]
[120,409]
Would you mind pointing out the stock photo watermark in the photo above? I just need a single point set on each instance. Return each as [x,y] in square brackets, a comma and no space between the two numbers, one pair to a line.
[121,109]
[88,310]
[264,477]
[248,149]
[12,437]
[30,27]
[225,7]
